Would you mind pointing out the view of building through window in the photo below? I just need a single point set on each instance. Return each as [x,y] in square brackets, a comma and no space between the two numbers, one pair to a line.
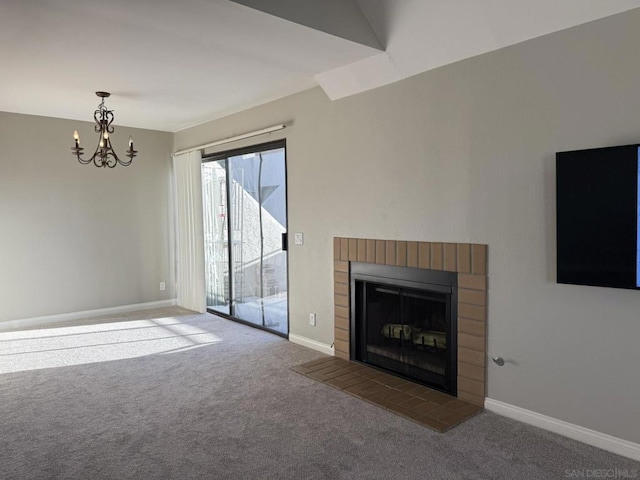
[245,217]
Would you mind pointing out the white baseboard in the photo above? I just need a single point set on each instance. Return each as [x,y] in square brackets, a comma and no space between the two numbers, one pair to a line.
[66,317]
[585,435]
[313,344]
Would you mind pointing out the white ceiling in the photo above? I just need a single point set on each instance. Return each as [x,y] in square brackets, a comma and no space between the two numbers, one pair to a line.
[173,64]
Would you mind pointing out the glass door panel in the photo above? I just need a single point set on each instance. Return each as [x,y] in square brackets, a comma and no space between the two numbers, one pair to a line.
[257,193]
[216,236]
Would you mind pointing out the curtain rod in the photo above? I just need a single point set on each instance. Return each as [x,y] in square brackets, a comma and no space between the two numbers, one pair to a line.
[255,133]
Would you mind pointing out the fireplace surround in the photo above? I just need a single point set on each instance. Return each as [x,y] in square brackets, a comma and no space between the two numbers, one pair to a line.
[468,262]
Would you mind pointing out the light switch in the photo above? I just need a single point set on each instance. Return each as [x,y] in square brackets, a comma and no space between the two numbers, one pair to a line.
[299,238]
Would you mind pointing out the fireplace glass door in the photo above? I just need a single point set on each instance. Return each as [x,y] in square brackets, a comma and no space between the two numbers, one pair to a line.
[406,330]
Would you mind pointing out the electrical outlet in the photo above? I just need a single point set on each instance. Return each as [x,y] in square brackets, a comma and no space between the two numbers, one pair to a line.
[312,319]
[298,238]
[163,286]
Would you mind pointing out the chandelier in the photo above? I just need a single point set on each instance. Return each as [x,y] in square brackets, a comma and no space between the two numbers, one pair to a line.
[104,156]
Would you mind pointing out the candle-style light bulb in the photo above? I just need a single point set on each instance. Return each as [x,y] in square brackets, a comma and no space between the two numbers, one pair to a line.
[76,137]
[105,135]
[101,143]
[130,143]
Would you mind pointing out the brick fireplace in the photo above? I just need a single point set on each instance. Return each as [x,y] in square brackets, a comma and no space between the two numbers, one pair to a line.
[468,261]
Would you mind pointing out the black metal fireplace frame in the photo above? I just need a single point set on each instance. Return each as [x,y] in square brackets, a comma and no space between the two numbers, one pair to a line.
[407,277]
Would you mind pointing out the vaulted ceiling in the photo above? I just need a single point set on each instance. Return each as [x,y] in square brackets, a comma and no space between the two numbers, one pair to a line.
[173,64]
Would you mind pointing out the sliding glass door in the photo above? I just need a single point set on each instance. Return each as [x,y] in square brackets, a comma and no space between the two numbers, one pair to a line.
[245,202]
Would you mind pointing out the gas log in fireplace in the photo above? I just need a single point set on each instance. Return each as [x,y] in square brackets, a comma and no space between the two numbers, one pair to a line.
[404,320]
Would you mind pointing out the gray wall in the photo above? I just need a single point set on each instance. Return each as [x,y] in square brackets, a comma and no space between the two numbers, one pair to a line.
[465,153]
[75,237]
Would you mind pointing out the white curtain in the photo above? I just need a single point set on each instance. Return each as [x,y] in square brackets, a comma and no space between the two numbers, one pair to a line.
[189,231]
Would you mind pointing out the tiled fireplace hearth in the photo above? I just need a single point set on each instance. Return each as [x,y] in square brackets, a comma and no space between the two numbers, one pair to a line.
[468,261]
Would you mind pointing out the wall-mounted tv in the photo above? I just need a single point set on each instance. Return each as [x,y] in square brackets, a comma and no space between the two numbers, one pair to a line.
[598,242]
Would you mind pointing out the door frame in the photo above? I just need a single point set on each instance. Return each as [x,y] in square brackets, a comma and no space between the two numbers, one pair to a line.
[272,145]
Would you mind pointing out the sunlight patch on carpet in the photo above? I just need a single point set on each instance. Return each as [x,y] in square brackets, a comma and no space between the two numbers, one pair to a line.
[78,345]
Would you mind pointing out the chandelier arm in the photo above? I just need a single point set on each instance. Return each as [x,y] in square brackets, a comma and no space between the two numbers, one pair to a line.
[97,117]
[98,159]
[126,163]
[110,152]
[113,161]
[99,155]
[130,153]
[77,151]
[108,117]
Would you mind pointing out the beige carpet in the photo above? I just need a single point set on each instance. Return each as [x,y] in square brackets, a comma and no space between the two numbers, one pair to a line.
[232,408]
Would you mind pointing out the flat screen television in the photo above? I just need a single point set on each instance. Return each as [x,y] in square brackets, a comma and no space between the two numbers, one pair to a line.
[598,242]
